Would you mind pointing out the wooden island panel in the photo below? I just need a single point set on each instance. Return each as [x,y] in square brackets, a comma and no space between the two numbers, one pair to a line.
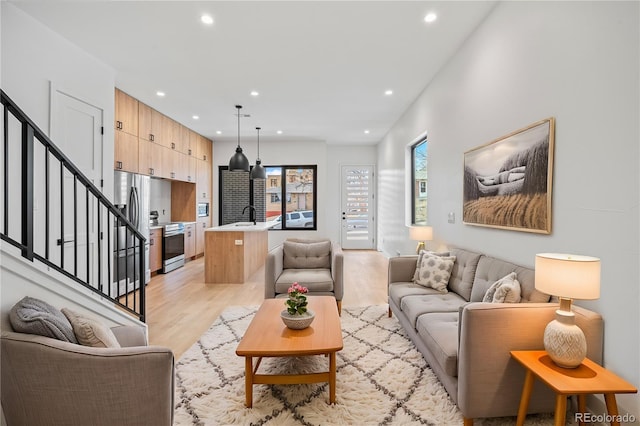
[226,262]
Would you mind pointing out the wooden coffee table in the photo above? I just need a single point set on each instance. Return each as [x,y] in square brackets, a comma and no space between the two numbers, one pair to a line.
[267,336]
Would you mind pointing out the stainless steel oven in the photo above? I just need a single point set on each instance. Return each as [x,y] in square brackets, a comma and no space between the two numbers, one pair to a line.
[173,247]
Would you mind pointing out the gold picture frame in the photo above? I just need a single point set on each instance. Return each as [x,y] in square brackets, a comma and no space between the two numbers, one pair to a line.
[508,181]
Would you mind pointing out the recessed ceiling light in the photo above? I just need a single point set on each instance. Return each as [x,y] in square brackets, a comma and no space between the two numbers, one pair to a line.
[388,92]
[161,94]
[196,117]
[206,19]
[254,93]
[430,17]
[218,132]
[279,132]
[366,132]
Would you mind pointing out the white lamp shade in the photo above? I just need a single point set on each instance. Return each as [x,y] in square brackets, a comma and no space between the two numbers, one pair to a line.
[567,275]
[421,233]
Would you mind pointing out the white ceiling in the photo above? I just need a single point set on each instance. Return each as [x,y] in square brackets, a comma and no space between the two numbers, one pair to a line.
[321,67]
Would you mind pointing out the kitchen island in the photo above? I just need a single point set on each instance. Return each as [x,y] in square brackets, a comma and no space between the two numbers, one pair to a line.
[233,252]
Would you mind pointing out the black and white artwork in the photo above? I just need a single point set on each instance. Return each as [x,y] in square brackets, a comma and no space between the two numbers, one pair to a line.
[507,182]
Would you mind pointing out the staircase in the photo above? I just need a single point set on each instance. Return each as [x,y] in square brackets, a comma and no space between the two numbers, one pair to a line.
[60,224]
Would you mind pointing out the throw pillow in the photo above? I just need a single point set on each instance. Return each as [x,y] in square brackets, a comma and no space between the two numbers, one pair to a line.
[416,274]
[435,271]
[91,332]
[505,290]
[34,316]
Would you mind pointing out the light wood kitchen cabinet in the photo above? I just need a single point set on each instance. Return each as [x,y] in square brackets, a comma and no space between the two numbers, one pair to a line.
[160,161]
[203,180]
[125,154]
[144,156]
[185,136]
[203,148]
[194,141]
[189,240]
[126,113]
[150,124]
[174,133]
[202,224]
[155,249]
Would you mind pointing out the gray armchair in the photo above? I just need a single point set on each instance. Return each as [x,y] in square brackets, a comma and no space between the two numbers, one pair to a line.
[50,382]
[315,264]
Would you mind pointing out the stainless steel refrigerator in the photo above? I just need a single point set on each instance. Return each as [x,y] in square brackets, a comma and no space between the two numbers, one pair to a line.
[131,197]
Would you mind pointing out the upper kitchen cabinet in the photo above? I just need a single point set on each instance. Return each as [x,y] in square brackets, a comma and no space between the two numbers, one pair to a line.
[150,124]
[203,149]
[174,132]
[125,153]
[126,113]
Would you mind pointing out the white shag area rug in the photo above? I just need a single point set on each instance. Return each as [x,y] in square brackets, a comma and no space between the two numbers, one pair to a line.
[382,379]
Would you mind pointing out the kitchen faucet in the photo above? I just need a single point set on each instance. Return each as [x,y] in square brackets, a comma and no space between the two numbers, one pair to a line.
[252,210]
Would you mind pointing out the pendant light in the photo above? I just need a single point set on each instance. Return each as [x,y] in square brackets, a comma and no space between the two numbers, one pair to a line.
[239,161]
[258,172]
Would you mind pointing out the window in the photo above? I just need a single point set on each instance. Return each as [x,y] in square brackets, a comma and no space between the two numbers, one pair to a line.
[292,205]
[419,183]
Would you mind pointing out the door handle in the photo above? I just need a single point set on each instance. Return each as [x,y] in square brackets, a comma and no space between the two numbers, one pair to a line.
[60,242]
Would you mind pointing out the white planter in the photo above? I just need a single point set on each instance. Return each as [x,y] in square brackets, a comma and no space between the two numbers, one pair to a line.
[297,321]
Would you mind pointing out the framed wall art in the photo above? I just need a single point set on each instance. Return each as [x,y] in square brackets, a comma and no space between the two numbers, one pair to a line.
[508,182]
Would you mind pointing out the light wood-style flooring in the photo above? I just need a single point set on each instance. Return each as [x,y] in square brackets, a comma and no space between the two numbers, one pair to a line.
[181,307]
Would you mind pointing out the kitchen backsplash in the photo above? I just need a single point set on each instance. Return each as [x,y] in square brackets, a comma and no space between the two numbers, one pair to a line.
[160,199]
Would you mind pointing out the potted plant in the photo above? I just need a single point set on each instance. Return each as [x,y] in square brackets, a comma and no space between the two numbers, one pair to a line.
[297,316]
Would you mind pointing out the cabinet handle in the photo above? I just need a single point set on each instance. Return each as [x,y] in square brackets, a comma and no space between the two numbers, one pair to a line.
[203,224]
[189,151]
[189,178]
[173,145]
[118,124]
[119,165]
[151,242]
[151,137]
[205,157]
[152,171]
[204,195]
[189,234]
[173,175]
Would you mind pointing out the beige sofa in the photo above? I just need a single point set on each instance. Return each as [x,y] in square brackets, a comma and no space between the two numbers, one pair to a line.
[467,342]
[315,264]
[46,381]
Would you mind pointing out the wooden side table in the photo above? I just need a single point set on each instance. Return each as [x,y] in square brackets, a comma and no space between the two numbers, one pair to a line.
[587,378]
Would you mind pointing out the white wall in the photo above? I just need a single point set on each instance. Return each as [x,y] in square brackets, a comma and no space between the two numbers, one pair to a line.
[32,56]
[575,61]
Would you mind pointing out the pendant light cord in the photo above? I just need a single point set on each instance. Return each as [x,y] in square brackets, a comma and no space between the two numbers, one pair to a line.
[239,107]
[258,129]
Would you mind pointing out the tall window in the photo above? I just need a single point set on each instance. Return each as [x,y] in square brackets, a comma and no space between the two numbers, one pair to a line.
[419,181]
[291,196]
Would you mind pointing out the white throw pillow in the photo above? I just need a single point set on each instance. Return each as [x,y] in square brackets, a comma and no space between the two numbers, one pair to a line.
[505,290]
[435,271]
[416,274]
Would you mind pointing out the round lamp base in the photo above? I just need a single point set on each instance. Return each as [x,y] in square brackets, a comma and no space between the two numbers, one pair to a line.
[564,341]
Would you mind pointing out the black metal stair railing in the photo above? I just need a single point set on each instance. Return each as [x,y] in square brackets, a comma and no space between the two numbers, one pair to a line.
[56,215]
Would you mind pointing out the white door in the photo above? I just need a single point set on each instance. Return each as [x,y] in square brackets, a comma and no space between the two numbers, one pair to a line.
[358,228]
[76,129]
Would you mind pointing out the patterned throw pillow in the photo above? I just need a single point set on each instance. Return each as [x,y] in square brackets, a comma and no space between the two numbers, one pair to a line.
[435,271]
[416,274]
[505,290]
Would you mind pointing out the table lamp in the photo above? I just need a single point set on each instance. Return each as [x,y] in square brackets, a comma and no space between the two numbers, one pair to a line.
[420,234]
[569,277]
